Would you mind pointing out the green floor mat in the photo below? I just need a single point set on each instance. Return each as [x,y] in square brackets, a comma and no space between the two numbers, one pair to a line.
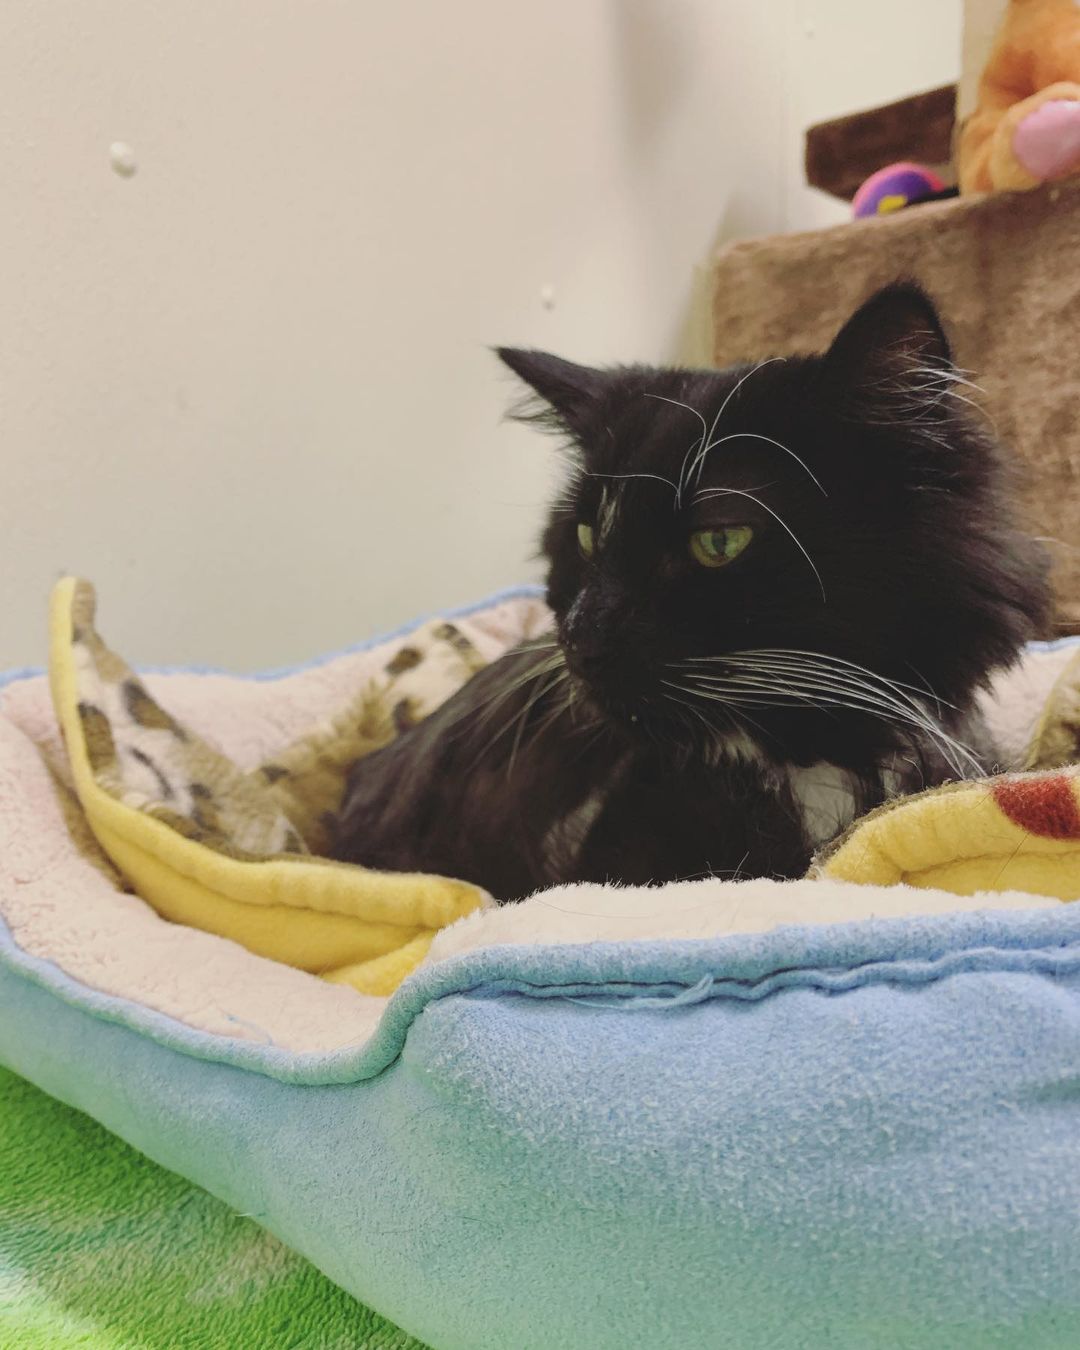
[103,1250]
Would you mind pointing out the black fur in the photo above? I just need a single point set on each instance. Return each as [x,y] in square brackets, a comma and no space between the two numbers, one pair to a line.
[882,540]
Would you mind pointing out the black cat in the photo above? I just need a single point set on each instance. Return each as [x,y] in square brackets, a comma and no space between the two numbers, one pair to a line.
[776,590]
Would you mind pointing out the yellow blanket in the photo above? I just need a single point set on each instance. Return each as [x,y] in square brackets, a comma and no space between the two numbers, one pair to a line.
[231,852]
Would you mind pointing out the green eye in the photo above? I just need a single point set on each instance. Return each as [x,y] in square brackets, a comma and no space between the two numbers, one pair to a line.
[585,539]
[716,548]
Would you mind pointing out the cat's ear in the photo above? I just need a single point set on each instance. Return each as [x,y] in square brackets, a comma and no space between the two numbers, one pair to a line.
[891,352]
[568,391]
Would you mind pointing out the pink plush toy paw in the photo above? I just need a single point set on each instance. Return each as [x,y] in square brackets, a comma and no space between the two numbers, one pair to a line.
[1047,141]
[1036,141]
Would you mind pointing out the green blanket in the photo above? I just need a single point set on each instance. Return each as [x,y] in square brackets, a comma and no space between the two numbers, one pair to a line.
[103,1250]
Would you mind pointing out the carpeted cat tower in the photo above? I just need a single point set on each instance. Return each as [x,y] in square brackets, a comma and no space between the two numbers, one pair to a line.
[1004,269]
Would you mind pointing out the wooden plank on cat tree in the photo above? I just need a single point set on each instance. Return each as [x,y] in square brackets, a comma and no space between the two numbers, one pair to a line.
[841,154]
[1003,271]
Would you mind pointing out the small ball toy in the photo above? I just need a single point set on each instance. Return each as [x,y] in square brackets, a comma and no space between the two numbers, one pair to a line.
[895,186]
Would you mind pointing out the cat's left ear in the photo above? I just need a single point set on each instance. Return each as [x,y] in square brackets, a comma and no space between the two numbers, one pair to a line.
[892,351]
[570,391]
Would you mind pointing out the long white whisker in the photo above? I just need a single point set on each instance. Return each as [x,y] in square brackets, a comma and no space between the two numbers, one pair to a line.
[736,700]
[659,478]
[540,668]
[747,684]
[519,716]
[815,669]
[487,709]
[786,671]
[826,659]
[746,687]
[735,707]
[949,375]
[767,696]
[523,716]
[823,677]
[694,445]
[755,436]
[797,656]
[700,460]
[696,713]
[736,492]
[677,403]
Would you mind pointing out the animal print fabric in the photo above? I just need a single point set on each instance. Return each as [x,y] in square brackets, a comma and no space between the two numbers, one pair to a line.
[144,758]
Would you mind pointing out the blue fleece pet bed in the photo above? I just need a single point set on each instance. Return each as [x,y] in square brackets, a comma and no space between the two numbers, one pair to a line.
[713,1114]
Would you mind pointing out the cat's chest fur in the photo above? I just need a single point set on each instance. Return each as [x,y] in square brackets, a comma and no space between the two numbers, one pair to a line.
[741,814]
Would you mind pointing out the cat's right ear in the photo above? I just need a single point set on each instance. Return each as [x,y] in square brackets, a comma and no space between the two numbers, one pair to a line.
[891,356]
[568,391]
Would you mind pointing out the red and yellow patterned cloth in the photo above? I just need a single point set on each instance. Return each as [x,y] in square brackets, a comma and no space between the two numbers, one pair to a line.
[1020,832]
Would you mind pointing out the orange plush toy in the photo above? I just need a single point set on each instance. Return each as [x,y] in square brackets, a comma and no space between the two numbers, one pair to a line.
[1025,129]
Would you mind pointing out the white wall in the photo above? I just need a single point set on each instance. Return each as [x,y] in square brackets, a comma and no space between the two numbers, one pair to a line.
[247,390]
[843,55]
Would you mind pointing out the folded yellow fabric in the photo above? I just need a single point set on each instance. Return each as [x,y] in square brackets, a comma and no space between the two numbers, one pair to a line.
[1016,832]
[213,847]
[1020,832]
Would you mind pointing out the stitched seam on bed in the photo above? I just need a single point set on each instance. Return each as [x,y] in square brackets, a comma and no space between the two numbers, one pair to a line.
[345,1065]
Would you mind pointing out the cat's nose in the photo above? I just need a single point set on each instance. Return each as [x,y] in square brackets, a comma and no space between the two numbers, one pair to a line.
[602,643]
[587,644]
[591,662]
[585,652]
[586,632]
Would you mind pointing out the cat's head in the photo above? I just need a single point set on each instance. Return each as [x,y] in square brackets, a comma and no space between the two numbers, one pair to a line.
[732,546]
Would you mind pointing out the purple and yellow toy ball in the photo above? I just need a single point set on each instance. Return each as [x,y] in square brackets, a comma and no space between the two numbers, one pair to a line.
[895,186]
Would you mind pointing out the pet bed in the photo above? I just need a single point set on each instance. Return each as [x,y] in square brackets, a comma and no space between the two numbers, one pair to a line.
[749,1113]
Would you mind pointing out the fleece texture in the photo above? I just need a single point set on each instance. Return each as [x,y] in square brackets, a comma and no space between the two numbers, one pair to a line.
[100,1249]
[710,1124]
[969,837]
[860,1134]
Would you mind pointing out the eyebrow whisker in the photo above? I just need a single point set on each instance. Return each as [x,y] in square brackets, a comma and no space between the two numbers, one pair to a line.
[657,476]
[736,492]
[705,433]
[756,436]
[723,407]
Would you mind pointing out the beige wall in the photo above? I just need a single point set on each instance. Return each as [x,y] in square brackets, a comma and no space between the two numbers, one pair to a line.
[247,390]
